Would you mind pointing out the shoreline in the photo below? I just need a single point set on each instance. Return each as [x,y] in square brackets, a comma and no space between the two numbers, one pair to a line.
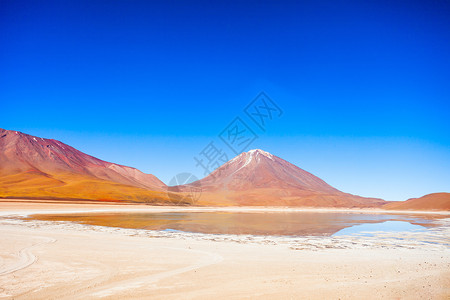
[16,207]
[437,236]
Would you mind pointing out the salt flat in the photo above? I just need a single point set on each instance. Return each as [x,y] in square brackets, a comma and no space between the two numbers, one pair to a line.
[48,260]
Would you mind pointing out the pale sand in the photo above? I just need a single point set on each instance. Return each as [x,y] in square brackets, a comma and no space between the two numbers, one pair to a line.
[44,260]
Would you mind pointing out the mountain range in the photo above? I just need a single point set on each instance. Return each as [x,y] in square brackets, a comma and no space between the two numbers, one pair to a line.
[39,168]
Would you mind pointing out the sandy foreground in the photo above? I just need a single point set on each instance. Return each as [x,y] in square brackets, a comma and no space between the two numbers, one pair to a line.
[61,260]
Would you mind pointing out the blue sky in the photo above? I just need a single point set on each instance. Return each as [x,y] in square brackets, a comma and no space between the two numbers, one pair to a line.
[363,85]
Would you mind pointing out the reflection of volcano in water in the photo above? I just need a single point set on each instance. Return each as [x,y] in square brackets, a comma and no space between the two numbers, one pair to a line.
[273,223]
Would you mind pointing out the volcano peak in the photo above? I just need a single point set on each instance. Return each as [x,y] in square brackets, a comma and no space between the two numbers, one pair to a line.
[256,152]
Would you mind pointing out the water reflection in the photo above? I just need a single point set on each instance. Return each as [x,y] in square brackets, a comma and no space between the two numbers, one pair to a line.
[387,226]
[268,223]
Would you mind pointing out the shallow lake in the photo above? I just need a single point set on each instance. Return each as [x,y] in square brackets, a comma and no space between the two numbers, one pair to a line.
[256,223]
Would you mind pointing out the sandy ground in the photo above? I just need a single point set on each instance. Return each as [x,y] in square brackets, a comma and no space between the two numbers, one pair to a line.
[44,260]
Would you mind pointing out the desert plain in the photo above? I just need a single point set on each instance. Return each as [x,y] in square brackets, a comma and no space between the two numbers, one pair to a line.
[66,260]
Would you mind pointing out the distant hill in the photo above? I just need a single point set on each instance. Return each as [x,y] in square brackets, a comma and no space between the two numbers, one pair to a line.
[435,201]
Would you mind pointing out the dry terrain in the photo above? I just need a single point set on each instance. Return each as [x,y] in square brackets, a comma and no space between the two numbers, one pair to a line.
[44,260]
[434,201]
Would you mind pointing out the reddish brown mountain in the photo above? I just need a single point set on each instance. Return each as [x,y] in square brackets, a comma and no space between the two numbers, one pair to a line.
[257,177]
[33,167]
[435,201]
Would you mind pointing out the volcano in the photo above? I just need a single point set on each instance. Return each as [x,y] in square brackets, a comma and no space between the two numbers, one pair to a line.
[260,178]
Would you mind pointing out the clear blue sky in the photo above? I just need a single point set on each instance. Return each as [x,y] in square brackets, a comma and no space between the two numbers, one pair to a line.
[363,85]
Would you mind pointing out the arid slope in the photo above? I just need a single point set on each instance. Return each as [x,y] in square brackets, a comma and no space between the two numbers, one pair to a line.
[33,167]
[435,201]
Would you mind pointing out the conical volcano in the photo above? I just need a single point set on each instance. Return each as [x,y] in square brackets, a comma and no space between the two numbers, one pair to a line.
[258,177]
